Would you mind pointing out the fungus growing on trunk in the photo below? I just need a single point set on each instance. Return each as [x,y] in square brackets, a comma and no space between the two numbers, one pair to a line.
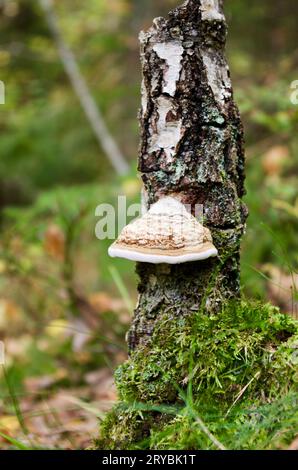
[167,233]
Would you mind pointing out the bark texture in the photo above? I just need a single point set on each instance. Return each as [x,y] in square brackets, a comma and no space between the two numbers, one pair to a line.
[191,146]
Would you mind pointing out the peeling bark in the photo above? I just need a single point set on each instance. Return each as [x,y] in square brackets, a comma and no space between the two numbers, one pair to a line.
[191,145]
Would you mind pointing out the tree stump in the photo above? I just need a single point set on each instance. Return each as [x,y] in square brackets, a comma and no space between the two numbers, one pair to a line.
[191,147]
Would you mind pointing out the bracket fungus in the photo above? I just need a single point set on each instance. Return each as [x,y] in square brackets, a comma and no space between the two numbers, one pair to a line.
[167,233]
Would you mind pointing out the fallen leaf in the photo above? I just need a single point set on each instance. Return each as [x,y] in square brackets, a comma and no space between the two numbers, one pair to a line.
[10,313]
[54,242]
[274,160]
[9,425]
[131,187]
[36,384]
[102,302]
[98,376]
[282,289]
[294,445]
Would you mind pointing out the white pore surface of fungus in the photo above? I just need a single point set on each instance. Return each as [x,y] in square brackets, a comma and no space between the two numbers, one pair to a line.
[167,233]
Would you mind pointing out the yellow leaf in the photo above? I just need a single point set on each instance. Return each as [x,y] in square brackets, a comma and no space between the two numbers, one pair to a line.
[9,424]
[57,328]
[131,187]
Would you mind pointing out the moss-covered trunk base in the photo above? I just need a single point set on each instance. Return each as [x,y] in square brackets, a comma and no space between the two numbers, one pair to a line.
[236,371]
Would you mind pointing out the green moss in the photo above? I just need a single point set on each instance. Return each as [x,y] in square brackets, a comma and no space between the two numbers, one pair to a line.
[244,357]
[128,426]
[219,354]
[269,426]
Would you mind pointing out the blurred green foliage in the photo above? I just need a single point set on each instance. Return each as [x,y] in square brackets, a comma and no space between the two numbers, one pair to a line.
[47,143]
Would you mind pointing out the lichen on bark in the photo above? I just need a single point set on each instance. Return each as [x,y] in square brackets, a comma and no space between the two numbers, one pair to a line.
[192,147]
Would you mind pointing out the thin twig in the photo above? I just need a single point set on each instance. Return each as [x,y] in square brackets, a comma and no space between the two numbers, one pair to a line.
[206,431]
[256,376]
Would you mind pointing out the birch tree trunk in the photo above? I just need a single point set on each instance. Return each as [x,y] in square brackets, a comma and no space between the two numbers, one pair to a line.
[191,144]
